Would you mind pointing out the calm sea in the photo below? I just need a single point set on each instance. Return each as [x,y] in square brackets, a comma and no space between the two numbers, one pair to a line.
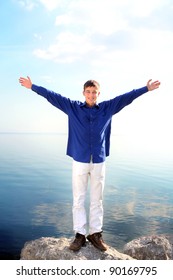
[36,196]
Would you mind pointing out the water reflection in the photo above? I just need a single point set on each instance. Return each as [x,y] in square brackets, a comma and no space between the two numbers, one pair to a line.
[135,212]
[58,215]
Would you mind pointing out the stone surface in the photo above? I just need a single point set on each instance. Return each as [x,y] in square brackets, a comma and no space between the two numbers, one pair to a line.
[47,248]
[155,247]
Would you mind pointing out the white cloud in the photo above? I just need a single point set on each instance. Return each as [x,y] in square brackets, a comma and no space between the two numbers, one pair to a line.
[97,30]
[37,36]
[47,79]
[68,48]
[28,4]
[144,8]
[51,4]
[107,22]
[63,20]
[94,16]
[48,4]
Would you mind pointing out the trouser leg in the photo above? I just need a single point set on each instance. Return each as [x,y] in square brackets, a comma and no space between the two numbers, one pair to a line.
[97,180]
[80,173]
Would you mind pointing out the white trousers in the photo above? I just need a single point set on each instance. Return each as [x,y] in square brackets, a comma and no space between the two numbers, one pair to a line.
[81,173]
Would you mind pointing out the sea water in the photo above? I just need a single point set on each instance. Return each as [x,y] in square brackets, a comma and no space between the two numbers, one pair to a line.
[36,195]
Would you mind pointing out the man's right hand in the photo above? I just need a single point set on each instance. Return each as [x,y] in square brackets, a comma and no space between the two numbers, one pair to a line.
[25,82]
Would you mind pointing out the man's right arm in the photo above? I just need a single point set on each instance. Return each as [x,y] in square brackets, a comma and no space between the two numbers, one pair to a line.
[57,100]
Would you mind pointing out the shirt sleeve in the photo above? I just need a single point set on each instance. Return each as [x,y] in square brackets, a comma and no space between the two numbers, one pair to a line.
[54,98]
[119,102]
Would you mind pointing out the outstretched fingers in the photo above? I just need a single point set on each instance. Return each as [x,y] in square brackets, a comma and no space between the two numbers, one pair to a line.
[153,85]
[25,82]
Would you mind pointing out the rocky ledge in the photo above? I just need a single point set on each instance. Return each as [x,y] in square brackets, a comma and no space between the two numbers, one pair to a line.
[156,247]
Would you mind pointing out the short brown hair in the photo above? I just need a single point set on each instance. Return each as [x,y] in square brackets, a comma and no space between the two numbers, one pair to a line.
[91,83]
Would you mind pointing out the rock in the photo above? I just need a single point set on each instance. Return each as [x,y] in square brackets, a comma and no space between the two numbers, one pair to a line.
[47,248]
[155,247]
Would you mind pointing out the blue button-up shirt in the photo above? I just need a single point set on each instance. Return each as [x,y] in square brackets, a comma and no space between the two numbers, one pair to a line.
[89,127]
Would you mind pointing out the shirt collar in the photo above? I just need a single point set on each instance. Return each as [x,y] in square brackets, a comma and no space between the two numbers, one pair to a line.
[85,105]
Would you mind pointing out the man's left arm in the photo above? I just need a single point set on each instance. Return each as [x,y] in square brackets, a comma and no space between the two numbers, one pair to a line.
[119,102]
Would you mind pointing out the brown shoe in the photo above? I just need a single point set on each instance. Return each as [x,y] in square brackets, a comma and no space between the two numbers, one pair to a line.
[97,241]
[78,242]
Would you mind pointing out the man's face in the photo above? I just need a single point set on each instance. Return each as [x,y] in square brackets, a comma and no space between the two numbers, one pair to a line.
[91,94]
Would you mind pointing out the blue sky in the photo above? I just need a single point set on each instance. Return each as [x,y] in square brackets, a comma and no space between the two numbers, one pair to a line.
[62,43]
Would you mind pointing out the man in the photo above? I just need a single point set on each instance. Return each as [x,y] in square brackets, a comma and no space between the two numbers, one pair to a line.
[88,145]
